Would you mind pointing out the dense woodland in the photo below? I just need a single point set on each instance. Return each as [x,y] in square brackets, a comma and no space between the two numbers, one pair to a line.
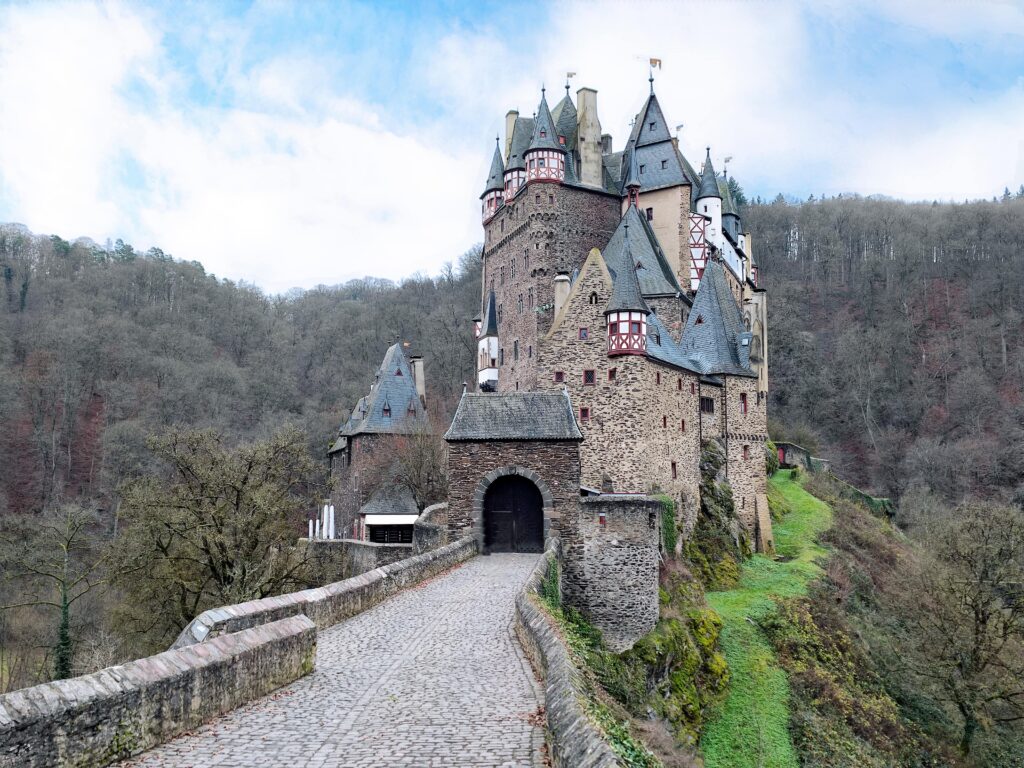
[126,378]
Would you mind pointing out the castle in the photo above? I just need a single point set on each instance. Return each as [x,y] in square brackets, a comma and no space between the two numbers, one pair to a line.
[621,327]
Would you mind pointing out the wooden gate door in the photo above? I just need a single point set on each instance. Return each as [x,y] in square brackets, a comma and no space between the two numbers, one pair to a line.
[513,516]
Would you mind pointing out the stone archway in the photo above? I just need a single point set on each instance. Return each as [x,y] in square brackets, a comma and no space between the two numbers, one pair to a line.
[521,496]
[513,516]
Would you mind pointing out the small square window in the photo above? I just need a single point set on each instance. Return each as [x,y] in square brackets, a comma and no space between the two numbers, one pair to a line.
[589,376]
[551,199]
[664,163]
[559,376]
[652,126]
[584,414]
[611,374]
[642,166]
[634,327]
[707,405]
[650,214]
[584,334]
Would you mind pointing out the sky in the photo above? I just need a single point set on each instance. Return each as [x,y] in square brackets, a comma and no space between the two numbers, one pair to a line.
[294,144]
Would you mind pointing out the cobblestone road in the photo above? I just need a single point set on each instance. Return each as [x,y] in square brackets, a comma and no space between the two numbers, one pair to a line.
[433,677]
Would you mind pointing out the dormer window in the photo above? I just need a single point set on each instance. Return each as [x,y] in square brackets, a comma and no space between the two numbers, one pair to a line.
[652,126]
[561,140]
[398,372]
[642,166]
[699,320]
[664,164]
[543,133]
[386,411]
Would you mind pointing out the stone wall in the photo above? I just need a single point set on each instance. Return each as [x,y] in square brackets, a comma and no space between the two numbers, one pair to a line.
[430,531]
[611,556]
[574,740]
[121,711]
[544,229]
[745,438]
[338,559]
[332,603]
[552,465]
[643,419]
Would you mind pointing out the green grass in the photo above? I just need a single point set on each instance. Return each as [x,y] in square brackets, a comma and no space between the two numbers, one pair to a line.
[751,726]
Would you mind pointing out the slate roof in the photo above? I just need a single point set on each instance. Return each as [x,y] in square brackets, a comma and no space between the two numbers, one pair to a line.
[633,174]
[514,416]
[393,387]
[489,326]
[654,274]
[661,346]
[392,498]
[650,112]
[625,288]
[708,180]
[544,136]
[496,177]
[728,204]
[564,115]
[522,132]
[714,336]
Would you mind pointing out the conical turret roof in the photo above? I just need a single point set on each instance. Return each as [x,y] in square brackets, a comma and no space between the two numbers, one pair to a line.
[708,180]
[489,326]
[496,177]
[626,296]
[728,203]
[633,174]
[544,136]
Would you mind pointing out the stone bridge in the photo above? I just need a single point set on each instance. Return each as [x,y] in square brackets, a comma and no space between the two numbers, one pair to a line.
[434,676]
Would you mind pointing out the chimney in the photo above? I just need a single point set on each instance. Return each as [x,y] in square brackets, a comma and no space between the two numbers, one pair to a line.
[589,133]
[606,143]
[417,374]
[561,291]
[510,126]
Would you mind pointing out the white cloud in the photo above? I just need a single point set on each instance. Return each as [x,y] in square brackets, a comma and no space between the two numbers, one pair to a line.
[298,182]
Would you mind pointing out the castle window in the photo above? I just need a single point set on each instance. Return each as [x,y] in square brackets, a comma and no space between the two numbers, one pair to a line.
[693,388]
[501,311]
[502,275]
[529,351]
[529,298]
[634,327]
[611,374]
[682,425]
[675,471]
[707,405]
[743,402]
[537,198]
[519,304]
[543,134]
[746,452]
[657,377]
[593,297]
[501,356]
[584,334]
[584,414]
[664,163]
[642,166]
[589,377]
[540,162]
[561,140]
[512,269]
[503,225]
[652,126]
[551,199]
[699,320]
[679,384]
[412,409]
[664,422]
[515,351]
[386,411]
[398,372]
[559,377]
[650,214]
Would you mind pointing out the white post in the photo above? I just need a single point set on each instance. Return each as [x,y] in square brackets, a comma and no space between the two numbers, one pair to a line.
[311,528]
[318,528]
[331,515]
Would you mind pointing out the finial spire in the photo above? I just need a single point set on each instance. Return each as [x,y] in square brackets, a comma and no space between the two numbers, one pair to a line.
[542,90]
[650,78]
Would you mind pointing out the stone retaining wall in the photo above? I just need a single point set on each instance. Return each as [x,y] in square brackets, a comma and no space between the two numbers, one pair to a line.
[329,604]
[430,531]
[574,740]
[121,711]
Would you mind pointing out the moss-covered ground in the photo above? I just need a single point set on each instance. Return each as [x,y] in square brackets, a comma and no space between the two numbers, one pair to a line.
[751,726]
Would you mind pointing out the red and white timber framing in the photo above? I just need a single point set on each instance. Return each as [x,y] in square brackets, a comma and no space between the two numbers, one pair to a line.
[545,165]
[698,248]
[627,333]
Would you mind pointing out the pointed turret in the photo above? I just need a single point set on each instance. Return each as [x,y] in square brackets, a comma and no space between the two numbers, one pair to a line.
[708,180]
[494,189]
[545,157]
[632,185]
[487,347]
[626,313]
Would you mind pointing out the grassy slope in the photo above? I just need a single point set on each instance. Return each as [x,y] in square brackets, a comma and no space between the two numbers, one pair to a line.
[751,728]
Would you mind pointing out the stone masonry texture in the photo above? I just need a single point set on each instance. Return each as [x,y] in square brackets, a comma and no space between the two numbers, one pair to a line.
[433,678]
[556,463]
[611,567]
[95,719]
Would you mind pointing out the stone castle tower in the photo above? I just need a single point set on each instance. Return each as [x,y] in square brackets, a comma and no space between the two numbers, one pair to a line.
[625,278]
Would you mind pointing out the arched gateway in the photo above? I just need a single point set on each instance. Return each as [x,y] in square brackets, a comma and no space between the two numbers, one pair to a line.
[513,516]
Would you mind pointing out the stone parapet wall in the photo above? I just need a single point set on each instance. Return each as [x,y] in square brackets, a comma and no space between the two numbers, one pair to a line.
[121,711]
[611,567]
[339,559]
[430,531]
[574,740]
[332,603]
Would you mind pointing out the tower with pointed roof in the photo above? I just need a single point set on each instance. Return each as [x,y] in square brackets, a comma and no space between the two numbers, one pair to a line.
[545,157]
[494,189]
